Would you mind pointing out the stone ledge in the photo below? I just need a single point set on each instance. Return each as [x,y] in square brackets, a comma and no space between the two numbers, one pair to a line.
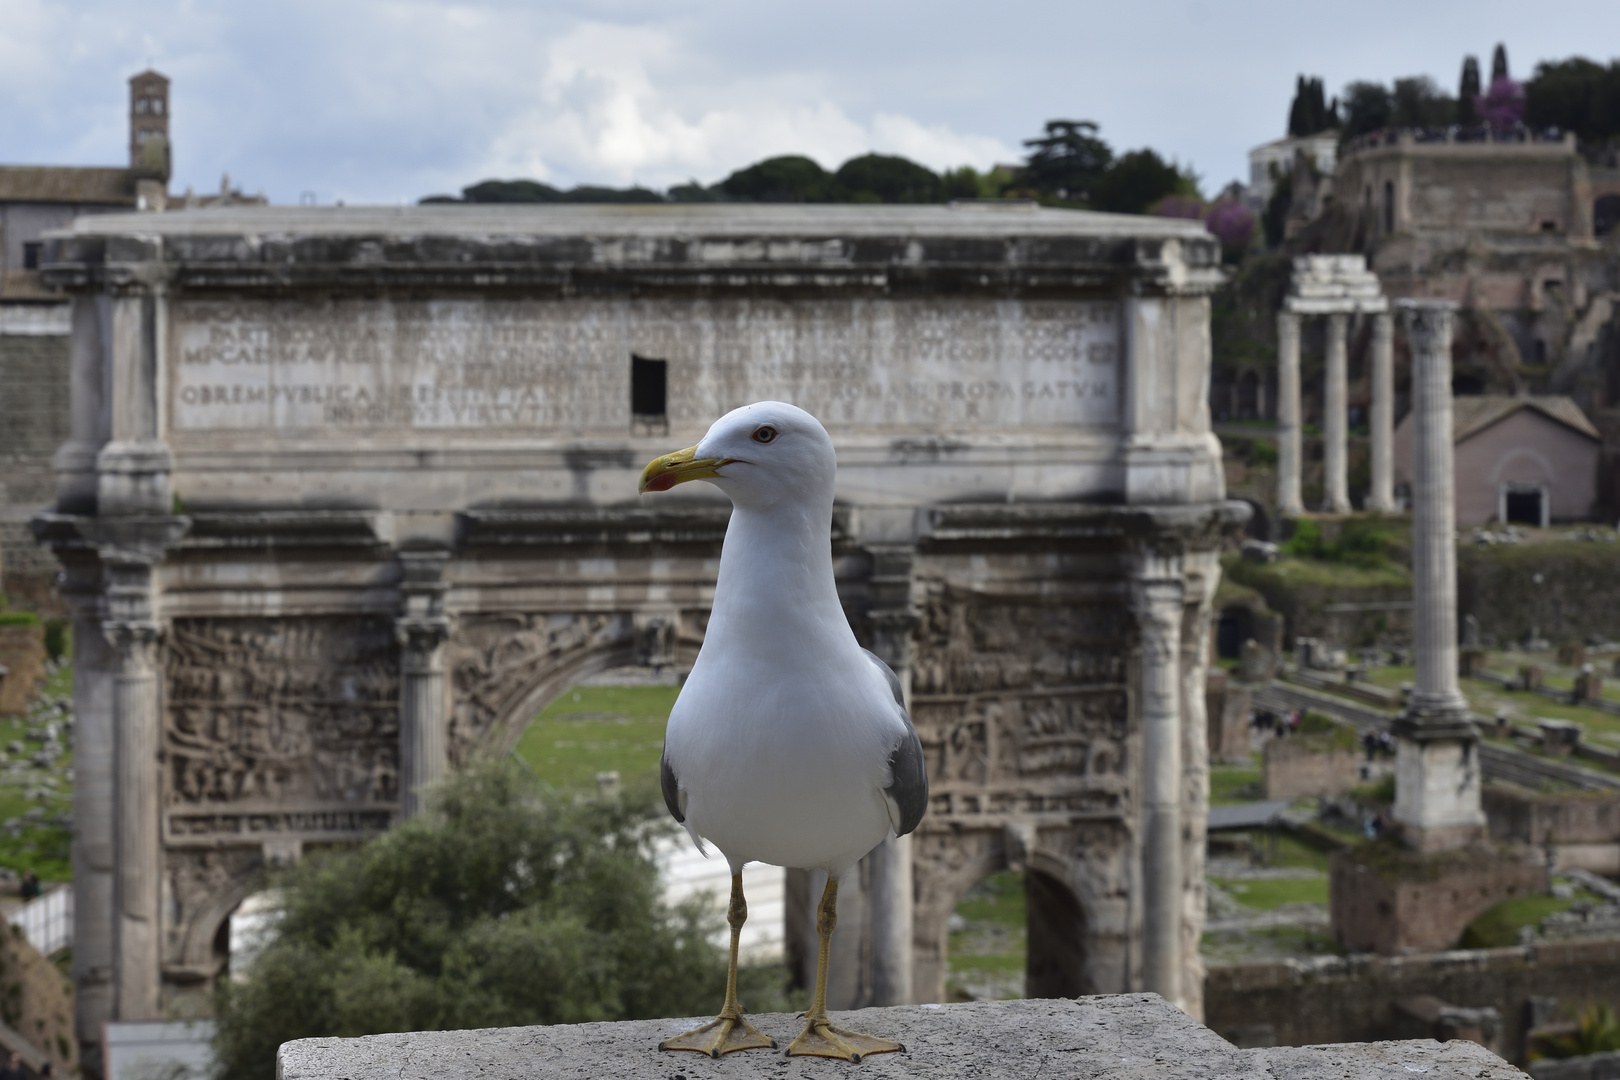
[1125,1036]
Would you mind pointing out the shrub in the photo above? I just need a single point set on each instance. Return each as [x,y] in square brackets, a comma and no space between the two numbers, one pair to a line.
[504,904]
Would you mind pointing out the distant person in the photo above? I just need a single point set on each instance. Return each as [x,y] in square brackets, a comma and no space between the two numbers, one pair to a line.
[47,1071]
[14,1068]
[30,885]
[1369,743]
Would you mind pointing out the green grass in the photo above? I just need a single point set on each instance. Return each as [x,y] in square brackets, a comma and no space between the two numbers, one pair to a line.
[1500,925]
[1230,784]
[592,729]
[44,849]
[1268,894]
[995,939]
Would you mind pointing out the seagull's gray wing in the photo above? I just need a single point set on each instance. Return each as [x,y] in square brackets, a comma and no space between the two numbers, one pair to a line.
[672,789]
[908,785]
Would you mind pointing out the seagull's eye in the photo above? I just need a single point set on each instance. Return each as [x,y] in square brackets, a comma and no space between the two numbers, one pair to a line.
[765,434]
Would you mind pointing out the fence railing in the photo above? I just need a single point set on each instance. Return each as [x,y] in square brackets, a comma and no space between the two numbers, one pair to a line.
[47,922]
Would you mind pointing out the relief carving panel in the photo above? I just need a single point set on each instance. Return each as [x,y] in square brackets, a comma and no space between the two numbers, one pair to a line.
[1021,708]
[278,727]
[497,662]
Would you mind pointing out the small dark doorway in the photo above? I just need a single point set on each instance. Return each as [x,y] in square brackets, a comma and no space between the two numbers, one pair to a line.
[1236,626]
[1524,507]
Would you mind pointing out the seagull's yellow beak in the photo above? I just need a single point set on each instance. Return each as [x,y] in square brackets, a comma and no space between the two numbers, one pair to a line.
[663,473]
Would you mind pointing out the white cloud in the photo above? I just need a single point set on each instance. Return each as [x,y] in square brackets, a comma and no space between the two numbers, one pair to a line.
[614,106]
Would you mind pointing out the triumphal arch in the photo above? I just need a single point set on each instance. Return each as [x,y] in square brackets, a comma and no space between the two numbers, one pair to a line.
[350,495]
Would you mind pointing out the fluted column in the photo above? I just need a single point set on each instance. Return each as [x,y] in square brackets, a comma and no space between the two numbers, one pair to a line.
[1335,419]
[424,691]
[893,619]
[1437,778]
[94,850]
[137,727]
[1381,420]
[423,709]
[1289,501]
[1157,597]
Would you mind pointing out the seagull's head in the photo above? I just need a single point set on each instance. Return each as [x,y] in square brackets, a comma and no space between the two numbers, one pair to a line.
[760,455]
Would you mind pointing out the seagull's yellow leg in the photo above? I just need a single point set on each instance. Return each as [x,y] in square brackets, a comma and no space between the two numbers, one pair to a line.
[819,1038]
[728,1031]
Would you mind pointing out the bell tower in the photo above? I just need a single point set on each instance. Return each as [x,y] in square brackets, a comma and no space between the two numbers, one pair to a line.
[149,124]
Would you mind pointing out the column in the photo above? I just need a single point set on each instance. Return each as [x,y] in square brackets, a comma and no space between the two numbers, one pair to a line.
[94,850]
[1157,596]
[893,620]
[1335,419]
[137,730]
[75,461]
[1437,777]
[424,692]
[1289,501]
[1381,422]
[133,466]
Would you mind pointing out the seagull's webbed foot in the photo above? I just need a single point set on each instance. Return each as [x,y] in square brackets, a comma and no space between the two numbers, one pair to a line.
[821,1039]
[728,1032]
[722,1035]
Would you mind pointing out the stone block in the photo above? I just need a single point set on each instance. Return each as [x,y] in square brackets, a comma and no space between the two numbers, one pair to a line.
[1559,736]
[1302,765]
[1530,677]
[1133,1035]
[1470,662]
[22,655]
[1572,654]
[1588,686]
[1387,899]
[1227,705]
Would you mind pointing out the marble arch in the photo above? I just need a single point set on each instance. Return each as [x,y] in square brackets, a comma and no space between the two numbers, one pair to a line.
[349,493]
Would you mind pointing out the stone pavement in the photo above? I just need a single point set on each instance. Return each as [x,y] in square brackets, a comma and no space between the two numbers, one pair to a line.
[1119,1037]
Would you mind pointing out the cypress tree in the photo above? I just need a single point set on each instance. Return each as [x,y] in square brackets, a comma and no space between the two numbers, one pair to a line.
[1499,68]
[1467,91]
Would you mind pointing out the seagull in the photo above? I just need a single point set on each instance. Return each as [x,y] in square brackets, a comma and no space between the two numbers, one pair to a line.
[789,743]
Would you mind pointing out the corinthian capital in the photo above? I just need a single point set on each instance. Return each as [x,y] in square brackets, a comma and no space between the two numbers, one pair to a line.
[1427,324]
[135,641]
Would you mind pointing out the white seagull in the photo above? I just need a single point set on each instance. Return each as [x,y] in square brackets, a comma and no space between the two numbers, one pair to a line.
[789,743]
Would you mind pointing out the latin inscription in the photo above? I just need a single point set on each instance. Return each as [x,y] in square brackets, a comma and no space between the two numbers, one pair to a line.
[562,367]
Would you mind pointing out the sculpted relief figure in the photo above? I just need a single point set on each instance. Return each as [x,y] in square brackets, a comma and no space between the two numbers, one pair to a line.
[261,711]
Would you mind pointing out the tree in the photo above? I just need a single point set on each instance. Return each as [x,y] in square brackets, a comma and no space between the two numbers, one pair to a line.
[884,178]
[1068,161]
[787,179]
[1367,107]
[1418,102]
[1467,92]
[1575,95]
[1309,113]
[1499,64]
[504,904]
[1138,180]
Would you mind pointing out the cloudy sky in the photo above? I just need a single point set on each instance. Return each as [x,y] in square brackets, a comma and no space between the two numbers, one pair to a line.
[385,101]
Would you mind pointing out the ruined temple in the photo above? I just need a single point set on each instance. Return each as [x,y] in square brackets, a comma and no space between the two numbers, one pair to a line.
[350,496]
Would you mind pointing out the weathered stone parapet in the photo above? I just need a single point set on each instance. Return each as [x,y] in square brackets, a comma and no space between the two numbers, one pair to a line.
[1135,1036]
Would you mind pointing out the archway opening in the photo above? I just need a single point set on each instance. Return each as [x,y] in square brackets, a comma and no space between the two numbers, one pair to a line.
[987,952]
[1056,959]
[1017,934]
[605,734]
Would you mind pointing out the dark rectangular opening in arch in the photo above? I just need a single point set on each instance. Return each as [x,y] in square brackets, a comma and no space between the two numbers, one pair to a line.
[649,388]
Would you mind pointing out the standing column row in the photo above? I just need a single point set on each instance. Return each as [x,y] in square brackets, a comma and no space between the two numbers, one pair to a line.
[1335,420]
